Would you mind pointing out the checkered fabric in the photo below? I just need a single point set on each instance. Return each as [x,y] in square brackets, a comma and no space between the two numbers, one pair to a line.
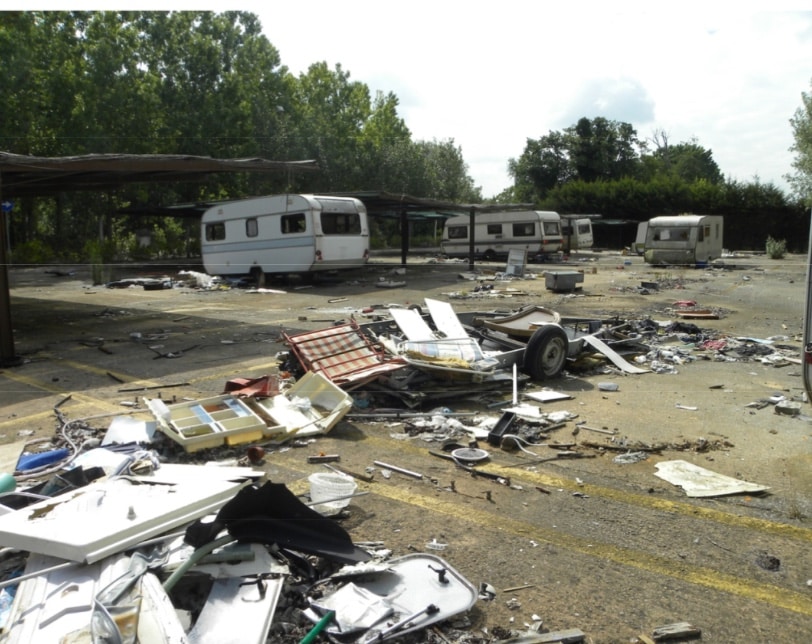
[343,354]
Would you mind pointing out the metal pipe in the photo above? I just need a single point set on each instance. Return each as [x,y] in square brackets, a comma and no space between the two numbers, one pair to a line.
[416,475]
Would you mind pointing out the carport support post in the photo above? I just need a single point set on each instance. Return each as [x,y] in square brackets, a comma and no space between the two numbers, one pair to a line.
[404,236]
[7,356]
[471,240]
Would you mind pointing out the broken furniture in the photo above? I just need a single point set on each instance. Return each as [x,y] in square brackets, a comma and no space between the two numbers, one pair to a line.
[210,422]
[122,575]
[343,354]
[312,405]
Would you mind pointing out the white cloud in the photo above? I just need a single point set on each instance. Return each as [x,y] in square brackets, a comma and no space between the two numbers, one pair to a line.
[490,78]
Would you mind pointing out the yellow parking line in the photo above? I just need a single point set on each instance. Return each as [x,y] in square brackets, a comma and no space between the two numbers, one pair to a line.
[698,575]
[28,418]
[663,505]
[82,366]
[36,383]
[630,498]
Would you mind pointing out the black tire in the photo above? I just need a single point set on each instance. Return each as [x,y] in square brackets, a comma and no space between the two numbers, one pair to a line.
[546,352]
[490,255]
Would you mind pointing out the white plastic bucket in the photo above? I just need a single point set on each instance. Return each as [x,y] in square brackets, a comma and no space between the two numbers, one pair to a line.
[325,486]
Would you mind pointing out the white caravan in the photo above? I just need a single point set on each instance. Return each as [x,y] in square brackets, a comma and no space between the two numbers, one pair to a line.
[577,232]
[497,233]
[694,240]
[283,234]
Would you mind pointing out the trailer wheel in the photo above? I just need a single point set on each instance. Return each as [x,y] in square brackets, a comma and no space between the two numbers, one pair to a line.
[546,352]
[489,255]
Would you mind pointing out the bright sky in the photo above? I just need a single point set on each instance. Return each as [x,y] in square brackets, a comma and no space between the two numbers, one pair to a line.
[491,75]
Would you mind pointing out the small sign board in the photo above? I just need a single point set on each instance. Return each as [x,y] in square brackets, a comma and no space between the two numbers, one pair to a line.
[516,262]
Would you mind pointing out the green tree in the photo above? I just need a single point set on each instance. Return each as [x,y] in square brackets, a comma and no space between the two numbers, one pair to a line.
[444,173]
[591,150]
[801,122]
[386,146]
[688,161]
[330,111]
[602,149]
[544,164]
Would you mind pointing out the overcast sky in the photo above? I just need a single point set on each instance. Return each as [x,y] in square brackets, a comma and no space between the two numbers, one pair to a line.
[491,75]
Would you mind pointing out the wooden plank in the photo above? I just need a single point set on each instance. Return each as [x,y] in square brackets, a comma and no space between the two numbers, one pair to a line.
[679,630]
[567,636]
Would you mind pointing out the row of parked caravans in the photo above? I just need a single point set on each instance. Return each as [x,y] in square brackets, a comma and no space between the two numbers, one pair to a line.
[493,235]
[312,233]
[689,240]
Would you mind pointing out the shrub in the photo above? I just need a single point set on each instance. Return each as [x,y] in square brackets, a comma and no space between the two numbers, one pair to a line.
[35,251]
[776,248]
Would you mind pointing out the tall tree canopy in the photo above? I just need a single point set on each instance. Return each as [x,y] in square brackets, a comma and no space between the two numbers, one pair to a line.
[801,122]
[198,83]
[603,150]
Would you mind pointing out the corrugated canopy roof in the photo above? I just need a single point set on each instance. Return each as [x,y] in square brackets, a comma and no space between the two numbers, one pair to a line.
[378,204]
[29,176]
[389,204]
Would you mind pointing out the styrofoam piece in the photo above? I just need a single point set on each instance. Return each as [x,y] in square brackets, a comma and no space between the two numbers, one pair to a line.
[700,482]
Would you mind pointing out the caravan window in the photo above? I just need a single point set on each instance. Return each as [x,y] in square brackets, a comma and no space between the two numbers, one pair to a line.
[704,233]
[294,223]
[458,232]
[524,230]
[494,229]
[215,232]
[676,233]
[340,223]
[584,229]
[251,227]
[552,228]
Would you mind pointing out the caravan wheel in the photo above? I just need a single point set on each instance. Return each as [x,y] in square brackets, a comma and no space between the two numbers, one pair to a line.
[546,352]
